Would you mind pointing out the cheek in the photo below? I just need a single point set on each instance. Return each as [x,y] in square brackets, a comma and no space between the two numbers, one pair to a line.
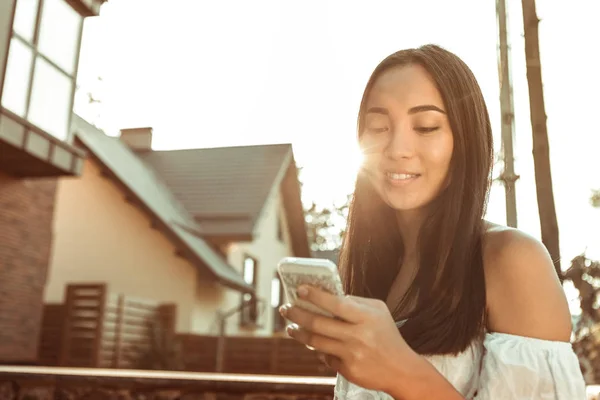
[370,166]
[371,154]
[439,154]
[371,146]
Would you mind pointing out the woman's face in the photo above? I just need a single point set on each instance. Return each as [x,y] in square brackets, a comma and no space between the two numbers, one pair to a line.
[406,138]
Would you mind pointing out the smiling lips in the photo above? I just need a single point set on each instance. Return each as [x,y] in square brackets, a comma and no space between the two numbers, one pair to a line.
[401,178]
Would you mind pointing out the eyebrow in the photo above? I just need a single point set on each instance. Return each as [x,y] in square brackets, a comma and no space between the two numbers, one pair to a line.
[413,110]
[426,107]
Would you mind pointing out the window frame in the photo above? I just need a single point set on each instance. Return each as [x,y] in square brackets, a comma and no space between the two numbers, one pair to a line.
[33,46]
[249,313]
[279,322]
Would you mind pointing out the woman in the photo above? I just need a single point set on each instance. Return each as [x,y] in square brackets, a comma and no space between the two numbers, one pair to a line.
[442,304]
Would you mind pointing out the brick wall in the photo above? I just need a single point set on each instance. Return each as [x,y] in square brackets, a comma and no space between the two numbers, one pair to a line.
[26,210]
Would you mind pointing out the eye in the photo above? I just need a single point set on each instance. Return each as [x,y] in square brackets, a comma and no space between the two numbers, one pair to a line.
[426,129]
[376,123]
[378,130]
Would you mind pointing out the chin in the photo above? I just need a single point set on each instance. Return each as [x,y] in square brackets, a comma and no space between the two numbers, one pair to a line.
[403,205]
[406,202]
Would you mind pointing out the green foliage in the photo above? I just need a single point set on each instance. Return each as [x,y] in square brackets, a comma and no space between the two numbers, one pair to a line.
[595,199]
[326,225]
[585,275]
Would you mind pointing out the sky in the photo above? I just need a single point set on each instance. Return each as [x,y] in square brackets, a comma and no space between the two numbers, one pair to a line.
[209,74]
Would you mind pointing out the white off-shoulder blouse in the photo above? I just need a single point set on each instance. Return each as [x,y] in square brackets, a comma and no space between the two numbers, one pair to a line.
[501,366]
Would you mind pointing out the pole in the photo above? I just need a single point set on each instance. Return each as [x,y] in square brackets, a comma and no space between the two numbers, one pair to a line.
[541,145]
[508,176]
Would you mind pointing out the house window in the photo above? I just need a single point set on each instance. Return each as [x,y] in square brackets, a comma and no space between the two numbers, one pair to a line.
[249,306]
[42,64]
[276,302]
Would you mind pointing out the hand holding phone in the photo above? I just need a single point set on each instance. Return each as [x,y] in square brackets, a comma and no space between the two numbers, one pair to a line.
[320,273]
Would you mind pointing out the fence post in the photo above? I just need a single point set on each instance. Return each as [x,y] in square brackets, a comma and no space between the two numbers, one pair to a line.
[72,303]
[167,313]
[66,332]
[102,298]
[220,367]
[117,351]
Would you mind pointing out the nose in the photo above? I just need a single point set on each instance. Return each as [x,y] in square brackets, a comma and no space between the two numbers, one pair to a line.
[401,143]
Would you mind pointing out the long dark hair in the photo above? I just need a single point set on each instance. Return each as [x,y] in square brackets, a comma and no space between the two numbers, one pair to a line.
[449,288]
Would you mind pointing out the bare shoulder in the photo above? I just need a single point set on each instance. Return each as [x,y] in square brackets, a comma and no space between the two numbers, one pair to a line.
[524,295]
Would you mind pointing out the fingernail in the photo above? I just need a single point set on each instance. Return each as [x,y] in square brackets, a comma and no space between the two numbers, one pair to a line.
[302,291]
[291,329]
[283,310]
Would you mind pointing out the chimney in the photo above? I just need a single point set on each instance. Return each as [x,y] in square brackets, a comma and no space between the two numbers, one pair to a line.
[138,139]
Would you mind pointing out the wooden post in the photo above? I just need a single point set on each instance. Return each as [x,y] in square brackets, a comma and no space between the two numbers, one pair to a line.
[220,367]
[117,351]
[63,357]
[102,297]
[508,176]
[168,314]
[541,147]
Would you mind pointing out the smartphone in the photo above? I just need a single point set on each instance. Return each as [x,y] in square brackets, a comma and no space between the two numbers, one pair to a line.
[317,272]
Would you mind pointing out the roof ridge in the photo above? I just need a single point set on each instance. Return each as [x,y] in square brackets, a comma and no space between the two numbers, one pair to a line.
[219,148]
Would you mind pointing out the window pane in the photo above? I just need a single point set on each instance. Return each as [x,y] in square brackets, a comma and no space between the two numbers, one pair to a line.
[59,33]
[16,80]
[275,293]
[249,271]
[25,15]
[50,100]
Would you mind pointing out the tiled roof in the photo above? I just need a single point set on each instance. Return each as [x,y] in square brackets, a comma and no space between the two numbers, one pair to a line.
[224,189]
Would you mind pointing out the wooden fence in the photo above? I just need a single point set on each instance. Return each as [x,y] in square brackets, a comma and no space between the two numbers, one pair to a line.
[255,355]
[95,328]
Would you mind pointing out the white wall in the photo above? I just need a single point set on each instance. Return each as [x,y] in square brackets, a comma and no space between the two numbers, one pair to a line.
[268,250]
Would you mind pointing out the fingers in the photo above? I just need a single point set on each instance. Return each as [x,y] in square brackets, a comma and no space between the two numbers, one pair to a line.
[316,342]
[316,323]
[345,308]
[364,300]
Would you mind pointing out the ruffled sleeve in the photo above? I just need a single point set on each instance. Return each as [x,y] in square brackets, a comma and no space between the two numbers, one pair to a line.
[518,368]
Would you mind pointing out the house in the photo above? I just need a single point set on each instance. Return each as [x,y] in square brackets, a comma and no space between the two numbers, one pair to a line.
[331,255]
[37,86]
[201,228]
